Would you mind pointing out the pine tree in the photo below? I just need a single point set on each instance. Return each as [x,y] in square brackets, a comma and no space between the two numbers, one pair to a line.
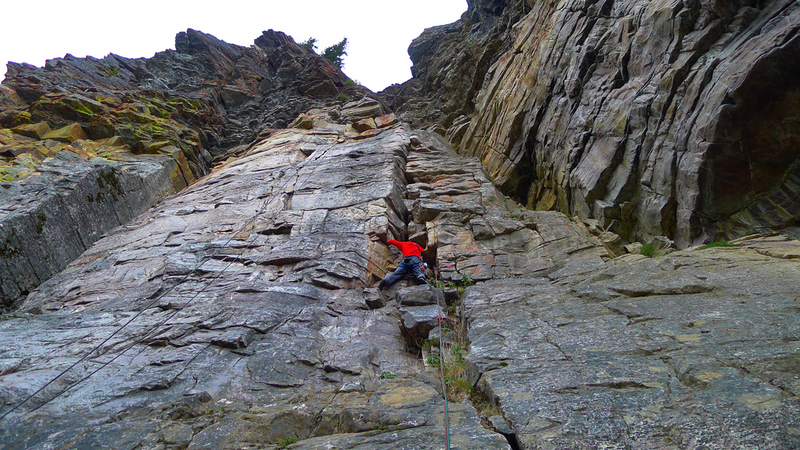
[335,52]
[310,44]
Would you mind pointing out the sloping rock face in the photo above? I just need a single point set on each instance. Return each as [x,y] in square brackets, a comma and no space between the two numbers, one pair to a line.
[690,350]
[88,144]
[235,315]
[240,314]
[655,118]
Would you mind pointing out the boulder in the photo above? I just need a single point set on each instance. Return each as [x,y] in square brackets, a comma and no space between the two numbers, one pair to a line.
[421,295]
[34,130]
[67,134]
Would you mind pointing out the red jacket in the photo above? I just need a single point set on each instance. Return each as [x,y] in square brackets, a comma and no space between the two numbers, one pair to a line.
[408,248]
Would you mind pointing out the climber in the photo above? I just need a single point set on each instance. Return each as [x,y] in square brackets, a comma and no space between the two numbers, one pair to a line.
[412,263]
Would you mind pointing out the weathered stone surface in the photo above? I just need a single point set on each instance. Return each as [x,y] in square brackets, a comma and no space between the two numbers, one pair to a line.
[34,130]
[235,315]
[651,117]
[687,350]
[204,97]
[422,295]
[473,235]
[418,321]
[67,134]
[363,109]
[50,217]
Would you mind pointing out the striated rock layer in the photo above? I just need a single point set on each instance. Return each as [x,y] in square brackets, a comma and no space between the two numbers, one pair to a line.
[87,144]
[655,118]
[239,314]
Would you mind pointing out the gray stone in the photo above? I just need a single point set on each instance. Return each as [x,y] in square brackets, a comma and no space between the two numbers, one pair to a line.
[49,218]
[418,321]
[623,369]
[421,295]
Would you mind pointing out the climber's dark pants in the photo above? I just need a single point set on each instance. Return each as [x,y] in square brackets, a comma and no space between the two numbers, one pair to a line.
[410,264]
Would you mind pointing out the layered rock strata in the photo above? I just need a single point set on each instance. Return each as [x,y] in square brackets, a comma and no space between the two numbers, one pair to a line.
[87,144]
[239,314]
[235,314]
[654,118]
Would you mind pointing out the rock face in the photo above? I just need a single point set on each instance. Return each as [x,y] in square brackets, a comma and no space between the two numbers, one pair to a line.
[49,218]
[451,61]
[240,314]
[241,311]
[655,118]
[694,349]
[91,143]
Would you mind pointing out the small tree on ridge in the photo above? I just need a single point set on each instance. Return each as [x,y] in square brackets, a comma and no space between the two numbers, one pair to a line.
[335,52]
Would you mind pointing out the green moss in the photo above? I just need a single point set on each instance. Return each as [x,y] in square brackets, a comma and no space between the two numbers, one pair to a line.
[287,441]
[648,250]
[40,220]
[7,250]
[81,107]
[113,72]
[110,179]
[22,118]
[343,97]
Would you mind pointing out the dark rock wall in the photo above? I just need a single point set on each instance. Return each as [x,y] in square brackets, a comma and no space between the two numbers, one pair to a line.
[54,215]
[230,93]
[674,118]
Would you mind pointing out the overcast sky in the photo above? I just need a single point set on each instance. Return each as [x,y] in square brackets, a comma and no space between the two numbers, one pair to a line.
[378,32]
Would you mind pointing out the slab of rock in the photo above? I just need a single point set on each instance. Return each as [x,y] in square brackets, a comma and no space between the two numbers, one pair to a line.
[235,314]
[52,216]
[421,295]
[694,346]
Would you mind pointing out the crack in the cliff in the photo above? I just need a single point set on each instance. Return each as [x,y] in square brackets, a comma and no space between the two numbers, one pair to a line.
[551,341]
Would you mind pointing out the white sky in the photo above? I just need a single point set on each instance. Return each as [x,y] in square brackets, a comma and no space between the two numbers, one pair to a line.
[378,32]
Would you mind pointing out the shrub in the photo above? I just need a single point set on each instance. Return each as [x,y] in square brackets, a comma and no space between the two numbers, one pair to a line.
[718,244]
[648,250]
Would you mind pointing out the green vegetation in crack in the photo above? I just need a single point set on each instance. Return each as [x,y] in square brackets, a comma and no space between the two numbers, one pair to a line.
[718,244]
[648,250]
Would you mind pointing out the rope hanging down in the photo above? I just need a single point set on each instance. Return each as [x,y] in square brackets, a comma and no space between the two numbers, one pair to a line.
[441,365]
[158,298]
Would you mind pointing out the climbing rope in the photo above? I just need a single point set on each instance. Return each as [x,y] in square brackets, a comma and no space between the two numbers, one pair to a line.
[441,363]
[158,298]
